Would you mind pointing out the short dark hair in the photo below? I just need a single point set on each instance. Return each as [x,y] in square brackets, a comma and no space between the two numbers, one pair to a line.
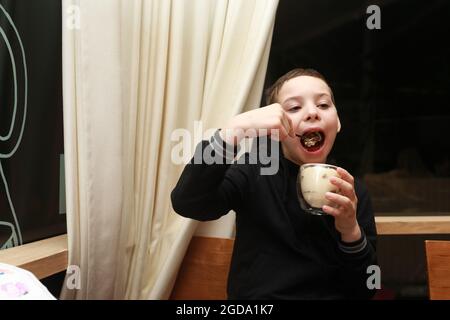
[272,92]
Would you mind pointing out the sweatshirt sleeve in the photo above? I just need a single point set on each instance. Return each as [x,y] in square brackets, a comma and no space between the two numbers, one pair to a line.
[210,185]
[359,255]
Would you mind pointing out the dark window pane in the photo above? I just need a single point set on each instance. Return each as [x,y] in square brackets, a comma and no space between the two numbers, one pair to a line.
[31,145]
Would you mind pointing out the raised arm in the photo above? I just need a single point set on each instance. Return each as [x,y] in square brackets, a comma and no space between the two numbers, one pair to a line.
[210,186]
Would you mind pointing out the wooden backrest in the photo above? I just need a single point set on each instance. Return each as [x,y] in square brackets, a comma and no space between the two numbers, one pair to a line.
[203,274]
[438,268]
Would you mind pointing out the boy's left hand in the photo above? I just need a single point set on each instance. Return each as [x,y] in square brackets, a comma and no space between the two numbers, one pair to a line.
[344,210]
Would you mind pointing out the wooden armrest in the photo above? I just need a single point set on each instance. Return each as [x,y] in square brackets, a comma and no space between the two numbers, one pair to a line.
[43,258]
[397,225]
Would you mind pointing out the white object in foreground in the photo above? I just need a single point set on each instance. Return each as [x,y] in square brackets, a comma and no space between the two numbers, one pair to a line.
[20,284]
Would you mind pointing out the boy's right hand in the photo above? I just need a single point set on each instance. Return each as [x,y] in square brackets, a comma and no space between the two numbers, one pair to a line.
[272,118]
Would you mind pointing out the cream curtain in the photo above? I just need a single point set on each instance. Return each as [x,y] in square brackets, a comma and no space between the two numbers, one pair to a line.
[135,71]
[93,134]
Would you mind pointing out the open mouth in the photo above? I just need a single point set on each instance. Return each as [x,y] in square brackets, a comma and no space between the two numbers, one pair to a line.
[312,140]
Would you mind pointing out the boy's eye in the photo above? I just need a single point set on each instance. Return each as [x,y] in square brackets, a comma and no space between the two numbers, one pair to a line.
[323,105]
[294,108]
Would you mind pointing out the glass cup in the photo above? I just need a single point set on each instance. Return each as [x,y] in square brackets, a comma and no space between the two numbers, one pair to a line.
[313,181]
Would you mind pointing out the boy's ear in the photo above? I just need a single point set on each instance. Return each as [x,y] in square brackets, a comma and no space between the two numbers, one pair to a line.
[339,125]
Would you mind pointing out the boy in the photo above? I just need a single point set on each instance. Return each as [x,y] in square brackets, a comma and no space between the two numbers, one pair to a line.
[281,252]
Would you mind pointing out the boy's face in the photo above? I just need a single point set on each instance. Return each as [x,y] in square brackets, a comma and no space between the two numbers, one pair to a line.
[307,102]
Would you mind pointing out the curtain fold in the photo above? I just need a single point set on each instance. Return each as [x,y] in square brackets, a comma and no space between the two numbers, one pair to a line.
[93,115]
[134,72]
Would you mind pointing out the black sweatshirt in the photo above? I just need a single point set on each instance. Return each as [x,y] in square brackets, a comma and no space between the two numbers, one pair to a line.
[280,252]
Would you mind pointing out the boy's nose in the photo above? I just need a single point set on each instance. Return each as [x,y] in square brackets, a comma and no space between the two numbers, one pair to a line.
[311,113]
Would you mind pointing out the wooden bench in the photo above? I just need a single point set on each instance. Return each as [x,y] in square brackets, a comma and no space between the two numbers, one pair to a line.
[438,269]
[42,258]
[204,271]
[203,274]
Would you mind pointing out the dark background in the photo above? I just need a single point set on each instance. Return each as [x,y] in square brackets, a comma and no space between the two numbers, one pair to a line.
[33,171]
[391,85]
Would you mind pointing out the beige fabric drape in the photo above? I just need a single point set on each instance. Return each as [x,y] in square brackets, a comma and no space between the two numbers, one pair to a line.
[135,71]
[93,116]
